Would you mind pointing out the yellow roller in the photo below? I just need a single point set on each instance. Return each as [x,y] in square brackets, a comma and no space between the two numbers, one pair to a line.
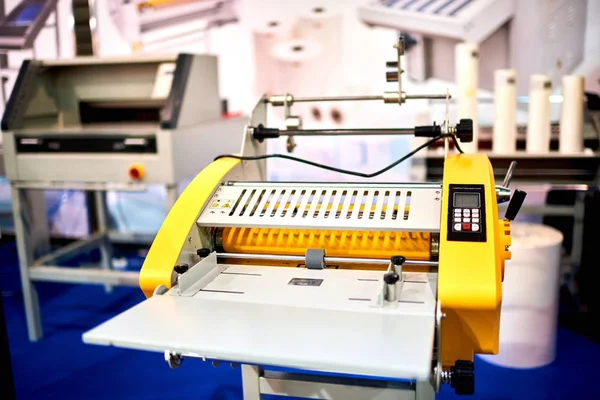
[355,244]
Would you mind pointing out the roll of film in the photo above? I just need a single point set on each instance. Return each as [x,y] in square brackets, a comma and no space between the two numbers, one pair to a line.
[571,118]
[467,80]
[538,126]
[505,111]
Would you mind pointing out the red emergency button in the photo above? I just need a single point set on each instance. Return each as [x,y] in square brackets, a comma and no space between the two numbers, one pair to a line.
[136,172]
[466,227]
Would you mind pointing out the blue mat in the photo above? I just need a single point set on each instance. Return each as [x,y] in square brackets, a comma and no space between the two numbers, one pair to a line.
[62,367]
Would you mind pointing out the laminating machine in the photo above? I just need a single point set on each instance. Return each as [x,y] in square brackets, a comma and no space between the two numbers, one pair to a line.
[389,287]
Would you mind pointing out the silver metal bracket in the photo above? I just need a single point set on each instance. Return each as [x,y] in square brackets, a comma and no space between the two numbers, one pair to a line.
[199,276]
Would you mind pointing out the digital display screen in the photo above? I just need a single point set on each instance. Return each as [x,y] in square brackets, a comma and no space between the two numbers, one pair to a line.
[28,14]
[466,200]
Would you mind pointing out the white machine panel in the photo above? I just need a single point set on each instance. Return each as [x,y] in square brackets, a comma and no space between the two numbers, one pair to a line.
[472,20]
[320,320]
[325,207]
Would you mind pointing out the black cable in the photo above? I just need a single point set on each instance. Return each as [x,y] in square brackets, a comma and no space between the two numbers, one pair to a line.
[343,171]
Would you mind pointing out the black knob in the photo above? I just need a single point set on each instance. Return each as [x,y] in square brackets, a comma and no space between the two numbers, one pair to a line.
[464,130]
[203,252]
[463,377]
[428,130]
[398,260]
[261,133]
[391,277]
[516,201]
[181,268]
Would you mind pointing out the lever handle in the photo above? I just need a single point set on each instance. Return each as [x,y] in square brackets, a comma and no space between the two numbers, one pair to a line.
[515,204]
[509,174]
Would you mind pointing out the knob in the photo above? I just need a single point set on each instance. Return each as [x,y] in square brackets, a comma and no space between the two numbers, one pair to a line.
[516,201]
[203,252]
[398,260]
[463,377]
[181,268]
[464,130]
[391,278]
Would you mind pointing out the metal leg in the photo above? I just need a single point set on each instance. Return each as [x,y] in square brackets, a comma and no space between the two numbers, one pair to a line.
[56,31]
[577,248]
[171,196]
[39,229]
[22,234]
[4,92]
[105,247]
[251,382]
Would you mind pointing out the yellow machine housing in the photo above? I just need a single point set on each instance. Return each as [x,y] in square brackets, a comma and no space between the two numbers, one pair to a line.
[469,273]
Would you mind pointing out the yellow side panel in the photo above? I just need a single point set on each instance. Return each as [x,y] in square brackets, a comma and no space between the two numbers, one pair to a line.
[470,273]
[356,244]
[164,252]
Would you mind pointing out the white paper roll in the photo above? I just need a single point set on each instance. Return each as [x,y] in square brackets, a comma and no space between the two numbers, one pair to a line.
[505,105]
[297,68]
[538,127]
[530,297]
[571,117]
[467,80]
[266,34]
[324,25]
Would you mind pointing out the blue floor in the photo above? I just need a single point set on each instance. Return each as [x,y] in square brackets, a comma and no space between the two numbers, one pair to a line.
[61,367]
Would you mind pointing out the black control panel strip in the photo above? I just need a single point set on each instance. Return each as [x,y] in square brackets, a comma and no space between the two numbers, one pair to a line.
[466,213]
[86,144]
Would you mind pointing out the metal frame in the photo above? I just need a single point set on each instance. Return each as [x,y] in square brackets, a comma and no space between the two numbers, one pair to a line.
[28,39]
[48,267]
[258,382]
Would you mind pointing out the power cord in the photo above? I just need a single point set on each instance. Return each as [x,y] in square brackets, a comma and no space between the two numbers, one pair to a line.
[344,171]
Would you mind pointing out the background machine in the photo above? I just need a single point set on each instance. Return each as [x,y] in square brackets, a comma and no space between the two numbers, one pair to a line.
[509,33]
[106,124]
[386,281]
[144,23]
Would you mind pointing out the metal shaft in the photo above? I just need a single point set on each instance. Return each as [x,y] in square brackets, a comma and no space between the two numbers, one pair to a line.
[509,174]
[328,260]
[345,132]
[362,98]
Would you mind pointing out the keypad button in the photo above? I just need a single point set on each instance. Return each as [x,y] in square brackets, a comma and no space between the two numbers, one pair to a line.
[466,213]
[457,219]
[475,210]
[466,220]
[466,227]
[475,220]
[457,227]
[457,211]
[475,227]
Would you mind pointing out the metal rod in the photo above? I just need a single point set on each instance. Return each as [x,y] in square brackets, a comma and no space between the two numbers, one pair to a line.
[345,132]
[362,98]
[53,273]
[68,250]
[415,186]
[509,174]
[328,260]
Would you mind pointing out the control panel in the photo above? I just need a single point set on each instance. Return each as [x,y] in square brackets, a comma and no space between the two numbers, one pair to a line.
[466,213]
